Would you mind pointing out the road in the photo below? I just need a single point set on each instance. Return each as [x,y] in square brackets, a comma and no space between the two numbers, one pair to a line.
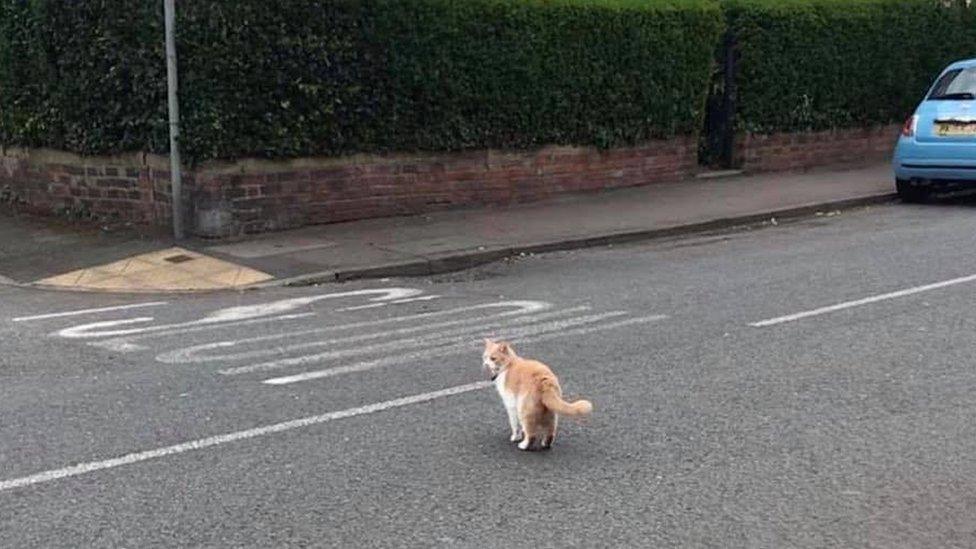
[809,384]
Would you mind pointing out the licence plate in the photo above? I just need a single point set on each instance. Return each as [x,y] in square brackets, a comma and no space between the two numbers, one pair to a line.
[954,128]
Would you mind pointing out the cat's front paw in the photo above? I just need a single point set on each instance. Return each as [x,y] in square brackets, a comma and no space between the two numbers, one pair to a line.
[516,436]
[524,445]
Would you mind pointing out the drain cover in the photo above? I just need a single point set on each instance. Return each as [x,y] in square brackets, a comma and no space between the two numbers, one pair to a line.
[181,258]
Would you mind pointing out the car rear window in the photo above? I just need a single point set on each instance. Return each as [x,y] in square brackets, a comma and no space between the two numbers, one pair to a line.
[957,84]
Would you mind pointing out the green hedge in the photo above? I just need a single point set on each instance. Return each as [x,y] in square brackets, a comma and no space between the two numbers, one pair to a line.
[820,64]
[314,77]
[82,76]
[331,77]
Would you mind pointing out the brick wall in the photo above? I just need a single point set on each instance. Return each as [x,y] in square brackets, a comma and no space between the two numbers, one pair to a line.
[124,188]
[271,196]
[252,196]
[800,151]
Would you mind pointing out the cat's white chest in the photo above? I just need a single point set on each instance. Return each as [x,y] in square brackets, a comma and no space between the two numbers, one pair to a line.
[508,398]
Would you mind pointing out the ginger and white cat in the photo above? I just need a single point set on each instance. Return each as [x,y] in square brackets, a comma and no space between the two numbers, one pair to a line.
[531,394]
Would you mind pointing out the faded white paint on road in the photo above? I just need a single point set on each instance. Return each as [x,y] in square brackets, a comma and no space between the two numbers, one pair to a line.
[195,354]
[89,311]
[531,335]
[864,301]
[356,345]
[437,340]
[136,457]
[231,314]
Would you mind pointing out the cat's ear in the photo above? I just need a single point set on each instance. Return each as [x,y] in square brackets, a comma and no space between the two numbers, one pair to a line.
[505,348]
[488,342]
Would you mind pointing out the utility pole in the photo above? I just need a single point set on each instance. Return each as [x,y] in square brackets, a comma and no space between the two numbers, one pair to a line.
[176,177]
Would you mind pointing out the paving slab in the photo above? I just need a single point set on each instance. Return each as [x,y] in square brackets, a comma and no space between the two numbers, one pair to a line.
[170,269]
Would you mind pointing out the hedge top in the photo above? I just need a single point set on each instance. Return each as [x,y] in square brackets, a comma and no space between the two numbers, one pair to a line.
[821,64]
[333,77]
[328,77]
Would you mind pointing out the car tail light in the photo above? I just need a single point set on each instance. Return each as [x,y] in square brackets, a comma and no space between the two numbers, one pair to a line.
[908,130]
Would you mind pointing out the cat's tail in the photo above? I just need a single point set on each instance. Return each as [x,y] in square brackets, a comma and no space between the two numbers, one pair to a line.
[552,400]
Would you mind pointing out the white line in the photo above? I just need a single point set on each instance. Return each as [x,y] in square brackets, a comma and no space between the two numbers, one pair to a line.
[865,301]
[89,311]
[522,336]
[128,459]
[412,299]
[285,305]
[234,314]
[85,330]
[520,308]
[399,345]
[193,354]
[125,344]
[397,302]
[362,307]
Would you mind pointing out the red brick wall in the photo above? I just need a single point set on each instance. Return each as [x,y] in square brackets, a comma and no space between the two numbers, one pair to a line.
[271,197]
[800,151]
[256,196]
[109,188]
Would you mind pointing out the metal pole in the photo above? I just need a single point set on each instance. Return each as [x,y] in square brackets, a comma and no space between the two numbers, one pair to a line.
[176,177]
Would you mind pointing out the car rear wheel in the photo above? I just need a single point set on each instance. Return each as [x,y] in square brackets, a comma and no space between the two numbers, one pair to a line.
[914,194]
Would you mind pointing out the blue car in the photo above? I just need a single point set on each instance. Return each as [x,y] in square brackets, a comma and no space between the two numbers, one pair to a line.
[937,147]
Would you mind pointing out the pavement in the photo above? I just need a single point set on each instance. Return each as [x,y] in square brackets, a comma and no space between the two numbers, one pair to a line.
[45,253]
[805,384]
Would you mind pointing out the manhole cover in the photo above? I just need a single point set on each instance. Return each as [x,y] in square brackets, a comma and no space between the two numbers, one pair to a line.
[181,258]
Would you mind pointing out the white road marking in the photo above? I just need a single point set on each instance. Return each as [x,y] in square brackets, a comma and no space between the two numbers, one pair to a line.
[85,330]
[472,333]
[522,307]
[194,354]
[864,301]
[231,314]
[520,336]
[89,311]
[413,299]
[285,305]
[519,308]
[361,307]
[397,302]
[125,344]
[128,459]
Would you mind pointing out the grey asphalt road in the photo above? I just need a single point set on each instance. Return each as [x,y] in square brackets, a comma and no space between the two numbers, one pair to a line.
[736,405]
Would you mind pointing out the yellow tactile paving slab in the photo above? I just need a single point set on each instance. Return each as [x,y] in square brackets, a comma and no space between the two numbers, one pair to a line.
[173,269]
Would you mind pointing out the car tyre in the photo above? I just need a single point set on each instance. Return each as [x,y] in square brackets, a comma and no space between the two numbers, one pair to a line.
[913,194]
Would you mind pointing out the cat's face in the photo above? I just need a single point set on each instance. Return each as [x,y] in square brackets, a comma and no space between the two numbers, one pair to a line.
[496,357]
